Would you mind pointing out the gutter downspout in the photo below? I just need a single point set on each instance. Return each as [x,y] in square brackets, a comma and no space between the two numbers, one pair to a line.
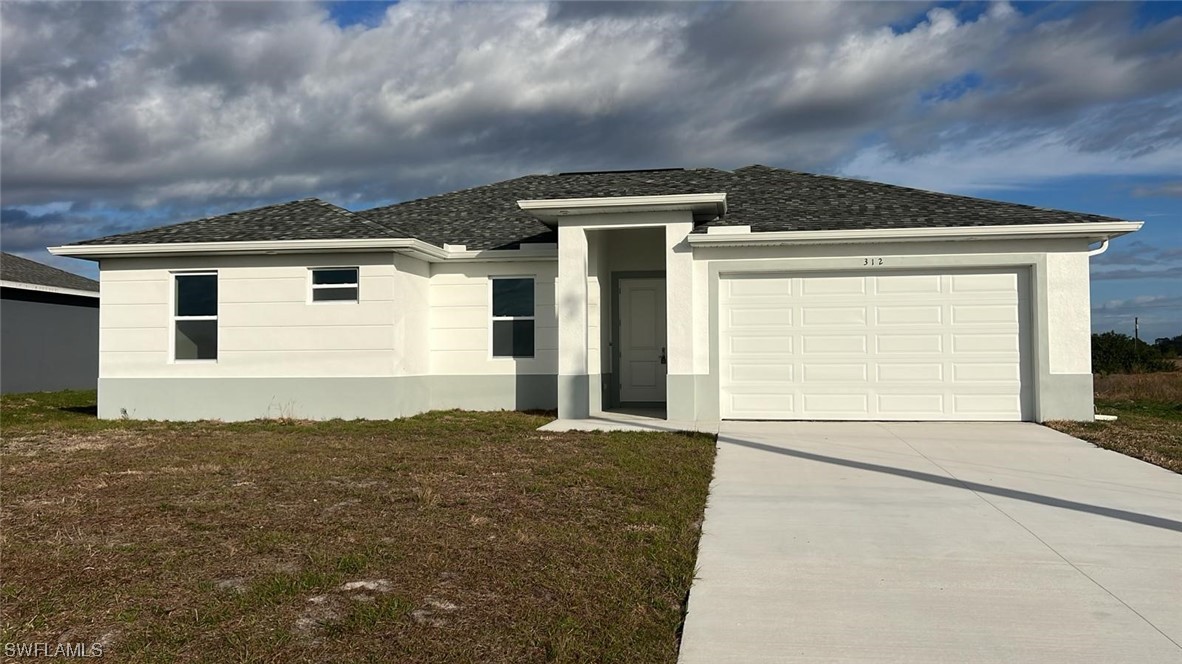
[1099,250]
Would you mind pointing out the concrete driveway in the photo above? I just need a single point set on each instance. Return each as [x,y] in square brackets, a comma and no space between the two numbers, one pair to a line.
[931,542]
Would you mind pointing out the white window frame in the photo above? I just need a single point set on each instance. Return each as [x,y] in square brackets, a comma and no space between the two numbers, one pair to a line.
[313,286]
[493,319]
[172,304]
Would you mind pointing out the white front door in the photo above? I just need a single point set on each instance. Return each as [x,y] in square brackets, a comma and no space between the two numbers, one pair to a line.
[643,363]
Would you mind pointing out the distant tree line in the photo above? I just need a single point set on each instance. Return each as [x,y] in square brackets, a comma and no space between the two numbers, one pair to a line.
[1113,352]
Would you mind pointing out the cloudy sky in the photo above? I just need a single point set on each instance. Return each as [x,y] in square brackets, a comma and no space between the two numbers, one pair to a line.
[117,116]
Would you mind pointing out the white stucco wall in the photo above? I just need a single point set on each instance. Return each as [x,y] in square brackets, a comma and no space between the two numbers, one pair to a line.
[460,319]
[266,325]
[1069,314]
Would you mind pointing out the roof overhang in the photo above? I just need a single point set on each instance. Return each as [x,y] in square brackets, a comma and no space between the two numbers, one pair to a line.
[48,289]
[408,246]
[704,207]
[742,236]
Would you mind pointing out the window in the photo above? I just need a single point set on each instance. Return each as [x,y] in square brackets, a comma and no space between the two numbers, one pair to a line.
[334,284]
[196,317]
[513,317]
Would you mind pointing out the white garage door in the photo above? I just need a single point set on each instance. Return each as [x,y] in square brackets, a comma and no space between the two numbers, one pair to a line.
[872,347]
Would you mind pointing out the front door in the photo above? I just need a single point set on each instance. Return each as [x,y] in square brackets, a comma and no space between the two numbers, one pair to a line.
[643,360]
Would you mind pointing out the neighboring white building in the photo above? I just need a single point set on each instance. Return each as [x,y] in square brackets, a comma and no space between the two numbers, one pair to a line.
[760,293]
[49,321]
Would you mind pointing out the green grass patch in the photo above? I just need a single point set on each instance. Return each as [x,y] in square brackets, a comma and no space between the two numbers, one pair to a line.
[1148,408]
[451,536]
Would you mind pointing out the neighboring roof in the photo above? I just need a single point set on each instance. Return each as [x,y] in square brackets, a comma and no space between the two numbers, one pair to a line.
[305,219]
[487,217]
[24,271]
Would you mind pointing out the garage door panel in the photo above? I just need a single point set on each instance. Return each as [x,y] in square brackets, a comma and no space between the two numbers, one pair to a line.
[760,344]
[880,346]
[819,344]
[821,372]
[761,372]
[829,286]
[985,313]
[827,405]
[1002,283]
[910,343]
[986,372]
[985,343]
[822,315]
[907,285]
[910,372]
[760,316]
[909,315]
[929,405]
[1001,406]
[758,287]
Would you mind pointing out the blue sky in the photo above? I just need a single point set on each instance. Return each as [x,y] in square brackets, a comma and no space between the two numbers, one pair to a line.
[119,116]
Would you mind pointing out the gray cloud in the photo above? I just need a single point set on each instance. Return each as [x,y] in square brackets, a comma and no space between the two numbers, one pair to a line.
[156,111]
[1157,314]
[1169,189]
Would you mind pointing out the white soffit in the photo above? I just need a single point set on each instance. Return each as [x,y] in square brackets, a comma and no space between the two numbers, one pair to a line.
[1094,231]
[48,289]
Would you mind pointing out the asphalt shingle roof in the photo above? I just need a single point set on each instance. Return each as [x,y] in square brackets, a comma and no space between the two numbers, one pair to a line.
[305,219]
[25,271]
[487,217]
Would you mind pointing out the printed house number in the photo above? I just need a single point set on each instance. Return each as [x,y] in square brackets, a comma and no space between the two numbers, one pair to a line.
[871,261]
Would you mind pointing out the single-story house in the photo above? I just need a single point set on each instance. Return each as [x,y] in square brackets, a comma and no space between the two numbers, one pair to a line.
[758,293]
[49,328]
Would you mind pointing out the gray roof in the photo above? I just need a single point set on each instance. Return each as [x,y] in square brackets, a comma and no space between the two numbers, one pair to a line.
[487,217]
[25,271]
[305,219]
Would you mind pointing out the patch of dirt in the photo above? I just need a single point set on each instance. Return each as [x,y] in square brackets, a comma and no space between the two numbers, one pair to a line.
[377,585]
[321,610]
[61,441]
[236,585]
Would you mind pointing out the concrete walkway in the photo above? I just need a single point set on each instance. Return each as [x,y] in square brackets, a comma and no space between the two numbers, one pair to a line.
[927,542]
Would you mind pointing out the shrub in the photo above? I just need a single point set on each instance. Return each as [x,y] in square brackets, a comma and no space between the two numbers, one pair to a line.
[1113,352]
[1169,346]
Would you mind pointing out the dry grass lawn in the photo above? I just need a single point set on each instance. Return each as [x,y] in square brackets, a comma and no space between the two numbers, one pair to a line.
[448,537]
[1149,412]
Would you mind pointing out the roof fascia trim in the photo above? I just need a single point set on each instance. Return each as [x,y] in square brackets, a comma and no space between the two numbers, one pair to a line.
[408,246]
[95,251]
[551,210]
[47,289]
[1099,231]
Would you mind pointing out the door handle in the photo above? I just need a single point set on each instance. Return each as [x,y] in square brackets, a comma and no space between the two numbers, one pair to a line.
[664,360]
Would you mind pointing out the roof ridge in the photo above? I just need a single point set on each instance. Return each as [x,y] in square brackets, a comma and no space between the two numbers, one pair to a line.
[457,191]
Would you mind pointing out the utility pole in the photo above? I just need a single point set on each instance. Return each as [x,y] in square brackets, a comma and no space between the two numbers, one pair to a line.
[1136,340]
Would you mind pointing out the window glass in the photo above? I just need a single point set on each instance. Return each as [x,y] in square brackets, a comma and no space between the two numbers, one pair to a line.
[196,295]
[513,297]
[334,276]
[344,294]
[513,338]
[196,340]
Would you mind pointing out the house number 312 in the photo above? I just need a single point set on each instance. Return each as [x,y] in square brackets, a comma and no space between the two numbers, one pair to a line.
[871,261]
